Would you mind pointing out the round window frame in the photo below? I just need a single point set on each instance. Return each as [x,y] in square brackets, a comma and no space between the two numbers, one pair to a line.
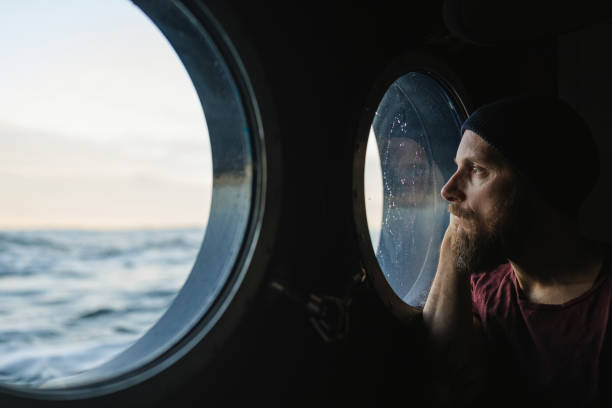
[220,318]
[439,71]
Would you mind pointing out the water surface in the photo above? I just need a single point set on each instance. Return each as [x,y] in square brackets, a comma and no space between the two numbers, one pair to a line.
[71,300]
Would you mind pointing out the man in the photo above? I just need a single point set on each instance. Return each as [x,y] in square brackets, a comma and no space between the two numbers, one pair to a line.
[518,310]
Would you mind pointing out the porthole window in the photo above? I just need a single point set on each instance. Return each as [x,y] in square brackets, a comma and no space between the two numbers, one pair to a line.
[130,175]
[410,151]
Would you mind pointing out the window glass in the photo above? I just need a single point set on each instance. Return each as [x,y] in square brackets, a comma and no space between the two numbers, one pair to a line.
[412,143]
[106,175]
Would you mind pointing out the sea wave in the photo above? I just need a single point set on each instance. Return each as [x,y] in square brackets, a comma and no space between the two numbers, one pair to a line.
[70,300]
[8,240]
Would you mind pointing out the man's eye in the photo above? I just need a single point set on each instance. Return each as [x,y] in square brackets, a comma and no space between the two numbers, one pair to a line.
[477,169]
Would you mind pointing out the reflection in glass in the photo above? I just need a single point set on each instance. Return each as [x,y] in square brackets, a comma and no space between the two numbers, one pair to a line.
[412,143]
[106,174]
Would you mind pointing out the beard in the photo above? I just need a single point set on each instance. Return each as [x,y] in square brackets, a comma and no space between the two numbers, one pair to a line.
[486,246]
[477,251]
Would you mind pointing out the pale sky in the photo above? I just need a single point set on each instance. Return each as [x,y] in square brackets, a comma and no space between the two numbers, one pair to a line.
[373,189]
[100,126]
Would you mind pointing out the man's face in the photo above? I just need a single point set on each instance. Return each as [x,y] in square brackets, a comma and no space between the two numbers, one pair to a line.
[487,206]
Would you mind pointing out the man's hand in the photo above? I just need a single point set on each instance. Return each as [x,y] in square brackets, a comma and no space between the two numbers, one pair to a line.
[448,307]
[447,315]
[448,249]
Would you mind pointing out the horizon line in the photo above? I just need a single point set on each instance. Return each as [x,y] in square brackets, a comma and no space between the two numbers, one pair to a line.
[98,228]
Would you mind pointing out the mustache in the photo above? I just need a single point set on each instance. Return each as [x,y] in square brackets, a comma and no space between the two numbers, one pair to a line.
[457,211]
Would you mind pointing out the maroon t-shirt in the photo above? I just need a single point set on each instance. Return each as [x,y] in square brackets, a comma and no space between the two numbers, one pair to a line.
[553,349]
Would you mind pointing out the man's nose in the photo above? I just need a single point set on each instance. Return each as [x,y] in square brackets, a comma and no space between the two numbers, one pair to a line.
[452,190]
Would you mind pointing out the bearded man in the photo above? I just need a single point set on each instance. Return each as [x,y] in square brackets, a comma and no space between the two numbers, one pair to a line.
[518,310]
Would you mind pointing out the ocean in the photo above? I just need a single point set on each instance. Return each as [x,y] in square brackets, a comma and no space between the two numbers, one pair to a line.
[71,299]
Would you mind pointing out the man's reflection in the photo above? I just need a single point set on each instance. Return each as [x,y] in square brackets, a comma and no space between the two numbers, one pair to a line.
[406,172]
[410,216]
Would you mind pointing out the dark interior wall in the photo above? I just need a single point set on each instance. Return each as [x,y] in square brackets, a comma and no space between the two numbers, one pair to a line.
[315,65]
[585,64]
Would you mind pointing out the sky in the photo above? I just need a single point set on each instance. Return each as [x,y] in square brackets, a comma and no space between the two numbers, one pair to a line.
[100,126]
[373,189]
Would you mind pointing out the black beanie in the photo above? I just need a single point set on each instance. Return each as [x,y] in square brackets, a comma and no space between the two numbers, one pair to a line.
[548,144]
